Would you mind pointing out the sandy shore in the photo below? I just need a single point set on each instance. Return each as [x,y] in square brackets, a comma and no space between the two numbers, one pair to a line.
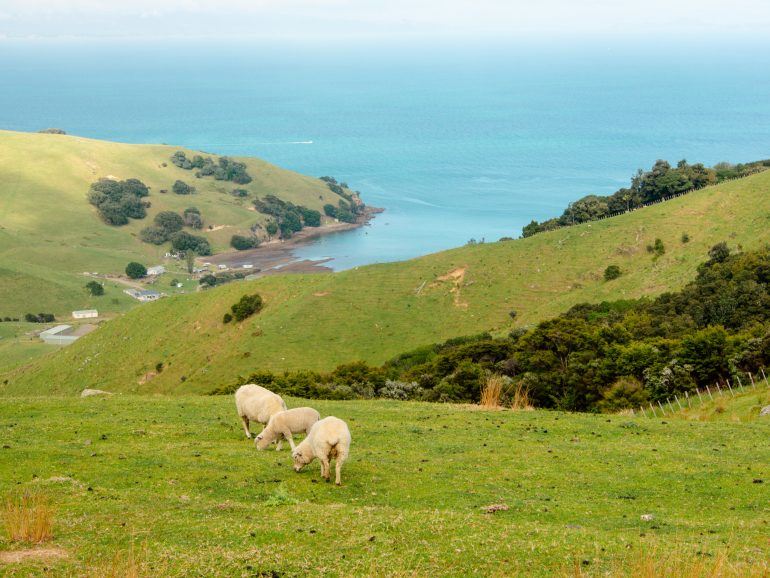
[279,257]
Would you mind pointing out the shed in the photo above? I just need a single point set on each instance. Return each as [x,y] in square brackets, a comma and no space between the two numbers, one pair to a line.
[85,314]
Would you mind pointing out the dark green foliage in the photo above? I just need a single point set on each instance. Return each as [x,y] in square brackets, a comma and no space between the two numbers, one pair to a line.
[39,317]
[208,280]
[170,221]
[221,278]
[222,169]
[241,243]
[154,235]
[119,201]
[685,238]
[95,288]
[661,181]
[612,272]
[227,318]
[657,248]
[182,188]
[239,193]
[136,270]
[246,307]
[271,228]
[183,242]
[289,218]
[718,253]
[192,218]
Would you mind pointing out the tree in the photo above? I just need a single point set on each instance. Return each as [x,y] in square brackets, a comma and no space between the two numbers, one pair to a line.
[169,221]
[612,272]
[310,217]
[189,257]
[718,253]
[136,270]
[246,307]
[183,241]
[208,280]
[154,235]
[192,218]
[242,243]
[94,288]
[182,188]
[271,228]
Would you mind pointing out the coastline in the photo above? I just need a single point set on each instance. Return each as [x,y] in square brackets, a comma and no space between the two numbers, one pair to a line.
[278,256]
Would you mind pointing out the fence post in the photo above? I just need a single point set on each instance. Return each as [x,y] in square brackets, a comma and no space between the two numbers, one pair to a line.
[700,399]
[719,388]
[663,411]
[668,401]
[751,377]
[708,389]
[653,410]
[677,403]
[738,377]
[729,386]
[687,396]
[763,375]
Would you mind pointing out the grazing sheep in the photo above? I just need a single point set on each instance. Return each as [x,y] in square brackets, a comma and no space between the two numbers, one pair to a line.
[256,403]
[285,423]
[328,438]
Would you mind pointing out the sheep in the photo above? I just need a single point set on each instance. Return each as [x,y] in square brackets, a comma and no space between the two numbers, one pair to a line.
[285,423]
[328,438]
[256,403]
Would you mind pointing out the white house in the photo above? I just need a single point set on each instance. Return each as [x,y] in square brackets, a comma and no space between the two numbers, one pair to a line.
[85,314]
[156,270]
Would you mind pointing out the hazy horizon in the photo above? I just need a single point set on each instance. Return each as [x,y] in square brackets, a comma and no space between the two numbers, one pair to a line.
[350,19]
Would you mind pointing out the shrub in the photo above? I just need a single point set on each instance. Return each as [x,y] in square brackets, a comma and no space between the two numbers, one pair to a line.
[227,318]
[685,238]
[169,221]
[310,217]
[39,318]
[183,242]
[401,390]
[136,270]
[94,288]
[239,193]
[626,392]
[612,272]
[118,201]
[209,280]
[247,306]
[182,188]
[718,253]
[242,243]
[154,235]
[192,218]
[657,248]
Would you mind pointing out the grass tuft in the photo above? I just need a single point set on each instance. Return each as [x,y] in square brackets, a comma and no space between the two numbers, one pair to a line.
[492,391]
[520,399]
[28,518]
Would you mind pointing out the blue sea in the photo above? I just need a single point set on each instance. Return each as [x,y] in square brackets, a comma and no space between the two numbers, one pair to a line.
[454,141]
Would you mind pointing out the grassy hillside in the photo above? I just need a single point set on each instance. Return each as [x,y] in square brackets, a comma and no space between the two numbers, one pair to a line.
[50,235]
[743,407]
[372,313]
[174,481]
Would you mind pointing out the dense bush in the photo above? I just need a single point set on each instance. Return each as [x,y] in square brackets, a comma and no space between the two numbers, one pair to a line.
[247,306]
[661,181]
[595,357]
[94,288]
[192,218]
[241,243]
[223,169]
[170,221]
[136,270]
[154,235]
[182,188]
[119,201]
[288,217]
[39,317]
[183,242]
[612,272]
[239,193]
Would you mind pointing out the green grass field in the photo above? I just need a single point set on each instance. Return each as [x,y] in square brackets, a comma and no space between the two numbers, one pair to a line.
[50,235]
[173,480]
[373,313]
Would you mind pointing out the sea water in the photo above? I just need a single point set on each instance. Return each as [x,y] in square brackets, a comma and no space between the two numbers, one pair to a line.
[455,142]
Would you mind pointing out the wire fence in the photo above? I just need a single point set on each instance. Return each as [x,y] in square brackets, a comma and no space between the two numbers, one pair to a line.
[677,404]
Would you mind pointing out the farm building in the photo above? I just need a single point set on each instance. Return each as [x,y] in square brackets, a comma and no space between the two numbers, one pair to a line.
[156,270]
[143,295]
[59,335]
[85,314]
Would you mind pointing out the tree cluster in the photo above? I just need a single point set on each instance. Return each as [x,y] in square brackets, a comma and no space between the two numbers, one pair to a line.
[39,317]
[288,217]
[246,306]
[661,181]
[222,169]
[184,242]
[595,357]
[242,243]
[119,201]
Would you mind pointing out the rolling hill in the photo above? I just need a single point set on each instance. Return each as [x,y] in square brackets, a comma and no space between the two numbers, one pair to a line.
[372,313]
[50,234]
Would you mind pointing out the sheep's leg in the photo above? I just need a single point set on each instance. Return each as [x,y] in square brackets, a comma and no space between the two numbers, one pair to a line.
[289,438]
[278,444]
[246,426]
[338,467]
[325,468]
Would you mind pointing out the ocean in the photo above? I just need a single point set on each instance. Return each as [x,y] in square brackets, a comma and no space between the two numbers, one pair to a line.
[455,142]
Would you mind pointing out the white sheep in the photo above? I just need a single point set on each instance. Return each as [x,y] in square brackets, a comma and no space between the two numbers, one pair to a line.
[285,423]
[328,438]
[256,403]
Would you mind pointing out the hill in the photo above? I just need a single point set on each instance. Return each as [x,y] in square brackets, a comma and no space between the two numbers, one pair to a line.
[160,486]
[373,313]
[50,234]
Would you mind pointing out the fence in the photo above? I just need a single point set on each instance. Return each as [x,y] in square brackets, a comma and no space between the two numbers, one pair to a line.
[658,408]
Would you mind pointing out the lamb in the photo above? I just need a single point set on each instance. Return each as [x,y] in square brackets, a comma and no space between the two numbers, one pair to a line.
[256,403]
[285,423]
[328,438]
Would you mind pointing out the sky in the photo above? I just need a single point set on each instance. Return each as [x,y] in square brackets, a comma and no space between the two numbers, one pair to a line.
[323,19]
